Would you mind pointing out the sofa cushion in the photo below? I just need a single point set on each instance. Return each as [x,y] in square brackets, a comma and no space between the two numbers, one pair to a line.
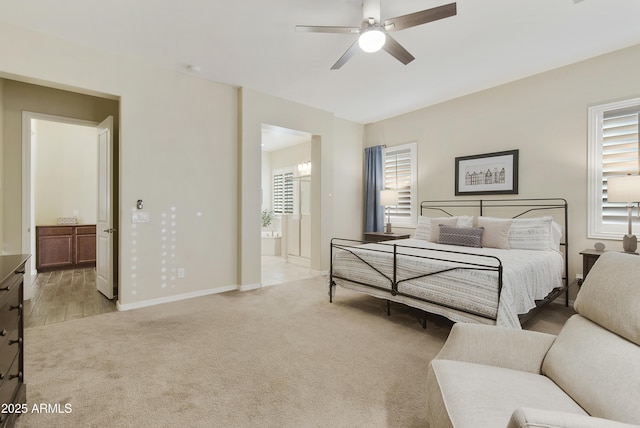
[598,369]
[540,418]
[610,294]
[476,395]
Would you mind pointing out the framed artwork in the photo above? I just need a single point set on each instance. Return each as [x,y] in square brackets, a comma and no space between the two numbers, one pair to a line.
[487,174]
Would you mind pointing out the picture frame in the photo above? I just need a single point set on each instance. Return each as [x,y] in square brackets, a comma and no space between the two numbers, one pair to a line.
[487,174]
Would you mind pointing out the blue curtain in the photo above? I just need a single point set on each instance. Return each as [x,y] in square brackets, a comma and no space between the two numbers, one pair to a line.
[373,184]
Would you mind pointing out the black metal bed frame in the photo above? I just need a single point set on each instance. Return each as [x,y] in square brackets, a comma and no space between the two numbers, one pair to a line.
[479,262]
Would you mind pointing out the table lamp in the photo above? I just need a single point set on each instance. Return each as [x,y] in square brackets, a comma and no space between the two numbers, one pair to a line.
[625,189]
[388,197]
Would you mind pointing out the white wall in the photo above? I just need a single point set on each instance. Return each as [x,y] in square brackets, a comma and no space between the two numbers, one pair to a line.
[267,194]
[544,116]
[330,197]
[348,172]
[65,171]
[178,140]
[291,156]
[180,152]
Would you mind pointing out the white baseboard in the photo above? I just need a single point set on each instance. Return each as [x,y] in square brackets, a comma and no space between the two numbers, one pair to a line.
[176,298]
[249,287]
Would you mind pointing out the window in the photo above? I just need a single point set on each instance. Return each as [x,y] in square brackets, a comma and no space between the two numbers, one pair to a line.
[400,174]
[283,191]
[613,151]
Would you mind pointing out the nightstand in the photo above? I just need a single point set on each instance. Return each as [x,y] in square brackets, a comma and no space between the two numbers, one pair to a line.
[589,257]
[381,236]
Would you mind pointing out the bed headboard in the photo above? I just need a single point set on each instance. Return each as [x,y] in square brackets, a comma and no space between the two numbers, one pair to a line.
[557,208]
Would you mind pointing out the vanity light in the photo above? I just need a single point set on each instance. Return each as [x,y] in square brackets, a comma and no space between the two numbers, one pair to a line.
[304,168]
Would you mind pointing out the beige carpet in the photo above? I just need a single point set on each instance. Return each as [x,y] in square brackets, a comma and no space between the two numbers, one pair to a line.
[282,356]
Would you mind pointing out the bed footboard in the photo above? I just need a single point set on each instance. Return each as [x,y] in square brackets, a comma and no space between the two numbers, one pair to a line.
[392,269]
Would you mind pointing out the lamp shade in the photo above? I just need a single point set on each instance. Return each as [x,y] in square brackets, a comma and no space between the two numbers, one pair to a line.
[623,189]
[388,197]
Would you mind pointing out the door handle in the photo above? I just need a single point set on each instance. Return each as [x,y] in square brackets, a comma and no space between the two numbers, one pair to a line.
[110,230]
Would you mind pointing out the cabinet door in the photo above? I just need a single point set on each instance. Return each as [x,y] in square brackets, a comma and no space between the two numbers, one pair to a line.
[85,244]
[54,247]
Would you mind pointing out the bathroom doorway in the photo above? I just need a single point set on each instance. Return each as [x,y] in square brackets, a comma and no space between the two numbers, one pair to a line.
[286,205]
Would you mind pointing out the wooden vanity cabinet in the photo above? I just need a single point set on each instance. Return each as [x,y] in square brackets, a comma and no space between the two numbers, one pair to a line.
[65,246]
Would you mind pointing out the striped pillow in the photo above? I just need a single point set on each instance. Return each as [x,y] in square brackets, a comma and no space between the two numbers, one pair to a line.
[531,233]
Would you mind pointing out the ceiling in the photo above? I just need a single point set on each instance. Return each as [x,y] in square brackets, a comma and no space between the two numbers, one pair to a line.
[253,44]
[277,138]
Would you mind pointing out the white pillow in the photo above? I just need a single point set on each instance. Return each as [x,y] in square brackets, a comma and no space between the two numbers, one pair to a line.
[532,234]
[465,221]
[423,229]
[556,236]
[496,232]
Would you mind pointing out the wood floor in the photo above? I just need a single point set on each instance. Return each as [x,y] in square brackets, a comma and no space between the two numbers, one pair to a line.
[64,295]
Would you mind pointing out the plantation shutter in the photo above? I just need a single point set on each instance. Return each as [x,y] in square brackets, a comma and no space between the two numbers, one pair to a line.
[619,156]
[399,174]
[283,192]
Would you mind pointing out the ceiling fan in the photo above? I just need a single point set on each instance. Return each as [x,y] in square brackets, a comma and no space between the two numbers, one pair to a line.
[374,34]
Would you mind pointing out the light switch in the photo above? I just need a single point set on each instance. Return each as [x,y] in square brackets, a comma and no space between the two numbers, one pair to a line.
[140,217]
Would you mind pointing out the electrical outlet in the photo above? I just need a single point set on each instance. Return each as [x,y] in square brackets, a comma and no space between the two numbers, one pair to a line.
[180,272]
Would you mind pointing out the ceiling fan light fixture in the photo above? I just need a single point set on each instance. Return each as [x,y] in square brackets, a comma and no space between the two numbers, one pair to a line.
[372,40]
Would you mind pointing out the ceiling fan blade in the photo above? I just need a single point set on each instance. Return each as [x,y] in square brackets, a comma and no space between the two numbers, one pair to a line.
[326,29]
[346,56]
[419,18]
[397,51]
[371,9]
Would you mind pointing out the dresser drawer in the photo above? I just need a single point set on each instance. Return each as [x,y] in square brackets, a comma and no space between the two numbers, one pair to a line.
[10,289]
[9,345]
[9,384]
[10,306]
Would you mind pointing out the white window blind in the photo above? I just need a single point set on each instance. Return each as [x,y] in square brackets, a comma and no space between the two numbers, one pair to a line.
[283,192]
[400,175]
[613,151]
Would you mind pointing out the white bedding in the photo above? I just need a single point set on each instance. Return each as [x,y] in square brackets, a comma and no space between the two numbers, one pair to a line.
[528,275]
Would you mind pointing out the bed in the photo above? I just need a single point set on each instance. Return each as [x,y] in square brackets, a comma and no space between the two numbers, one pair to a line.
[485,261]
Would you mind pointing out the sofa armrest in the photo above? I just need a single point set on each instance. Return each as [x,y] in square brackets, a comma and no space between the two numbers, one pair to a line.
[497,346]
[538,418]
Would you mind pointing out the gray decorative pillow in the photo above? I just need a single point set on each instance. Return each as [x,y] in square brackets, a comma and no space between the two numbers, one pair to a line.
[462,236]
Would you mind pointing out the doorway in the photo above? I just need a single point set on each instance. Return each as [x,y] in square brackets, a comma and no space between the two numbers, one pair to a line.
[61,183]
[286,215]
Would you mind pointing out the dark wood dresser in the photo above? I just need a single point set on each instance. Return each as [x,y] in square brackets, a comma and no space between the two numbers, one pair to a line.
[65,246]
[13,392]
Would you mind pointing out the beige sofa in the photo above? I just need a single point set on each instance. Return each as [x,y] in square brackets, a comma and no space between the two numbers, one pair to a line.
[587,376]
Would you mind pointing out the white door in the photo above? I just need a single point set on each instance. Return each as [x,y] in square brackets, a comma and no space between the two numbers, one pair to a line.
[104,226]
